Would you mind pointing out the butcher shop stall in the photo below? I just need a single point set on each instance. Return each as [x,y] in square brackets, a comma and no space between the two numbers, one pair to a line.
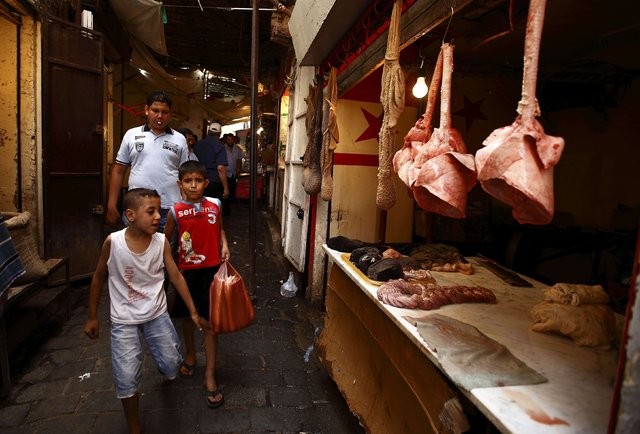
[475,166]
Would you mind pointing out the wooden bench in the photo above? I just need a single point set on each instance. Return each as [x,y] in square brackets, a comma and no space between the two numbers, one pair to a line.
[51,274]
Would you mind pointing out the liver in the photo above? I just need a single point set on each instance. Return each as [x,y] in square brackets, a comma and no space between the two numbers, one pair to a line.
[394,381]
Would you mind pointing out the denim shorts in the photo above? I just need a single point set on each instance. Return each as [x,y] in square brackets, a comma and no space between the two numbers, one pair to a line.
[126,352]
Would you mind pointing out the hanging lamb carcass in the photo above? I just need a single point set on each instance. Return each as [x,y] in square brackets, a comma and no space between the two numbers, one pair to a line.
[421,131]
[443,171]
[309,123]
[516,164]
[312,170]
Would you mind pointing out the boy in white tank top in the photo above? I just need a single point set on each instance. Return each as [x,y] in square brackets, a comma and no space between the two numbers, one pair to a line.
[134,260]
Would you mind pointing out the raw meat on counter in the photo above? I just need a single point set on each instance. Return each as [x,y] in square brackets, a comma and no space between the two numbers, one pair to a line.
[576,294]
[401,293]
[578,311]
[409,265]
[385,269]
[415,266]
[441,257]
[372,262]
[590,325]
[472,359]
[418,275]
[364,257]
[390,253]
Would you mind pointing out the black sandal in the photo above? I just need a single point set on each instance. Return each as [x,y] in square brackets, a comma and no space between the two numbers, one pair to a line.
[187,370]
[213,394]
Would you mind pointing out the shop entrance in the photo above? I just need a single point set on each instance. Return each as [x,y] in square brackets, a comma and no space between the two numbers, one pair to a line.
[72,144]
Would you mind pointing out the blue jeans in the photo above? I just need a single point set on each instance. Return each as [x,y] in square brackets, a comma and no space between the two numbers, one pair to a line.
[127,350]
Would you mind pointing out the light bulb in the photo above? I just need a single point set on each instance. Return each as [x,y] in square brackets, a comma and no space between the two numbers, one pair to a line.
[420,88]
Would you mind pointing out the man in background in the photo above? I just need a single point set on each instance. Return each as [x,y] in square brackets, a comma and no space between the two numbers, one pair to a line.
[191,141]
[212,154]
[233,168]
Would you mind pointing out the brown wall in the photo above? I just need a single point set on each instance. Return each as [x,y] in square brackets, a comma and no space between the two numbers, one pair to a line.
[8,116]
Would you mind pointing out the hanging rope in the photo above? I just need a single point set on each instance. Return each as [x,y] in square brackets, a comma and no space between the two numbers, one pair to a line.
[392,99]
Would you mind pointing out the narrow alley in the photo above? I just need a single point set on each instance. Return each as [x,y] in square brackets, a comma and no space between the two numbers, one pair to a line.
[444,181]
[269,374]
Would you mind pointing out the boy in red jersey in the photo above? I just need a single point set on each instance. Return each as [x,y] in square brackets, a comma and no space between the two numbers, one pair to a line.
[202,246]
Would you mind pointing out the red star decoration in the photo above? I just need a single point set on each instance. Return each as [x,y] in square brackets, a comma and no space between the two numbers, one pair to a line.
[375,123]
[470,112]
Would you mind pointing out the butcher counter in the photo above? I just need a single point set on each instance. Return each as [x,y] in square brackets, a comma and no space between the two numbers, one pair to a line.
[394,381]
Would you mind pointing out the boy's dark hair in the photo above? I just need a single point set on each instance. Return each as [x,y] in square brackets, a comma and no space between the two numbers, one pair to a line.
[134,197]
[158,96]
[192,166]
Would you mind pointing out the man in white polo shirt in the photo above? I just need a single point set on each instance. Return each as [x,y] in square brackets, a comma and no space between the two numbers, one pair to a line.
[153,151]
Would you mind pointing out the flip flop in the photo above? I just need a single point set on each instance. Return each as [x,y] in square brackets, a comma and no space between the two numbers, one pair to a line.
[213,394]
[187,370]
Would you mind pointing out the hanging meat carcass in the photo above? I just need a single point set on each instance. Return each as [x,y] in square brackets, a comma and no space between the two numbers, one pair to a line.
[516,164]
[443,171]
[312,172]
[420,133]
[309,124]
[392,99]
[330,134]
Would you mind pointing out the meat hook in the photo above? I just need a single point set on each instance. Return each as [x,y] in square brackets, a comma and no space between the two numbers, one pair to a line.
[448,24]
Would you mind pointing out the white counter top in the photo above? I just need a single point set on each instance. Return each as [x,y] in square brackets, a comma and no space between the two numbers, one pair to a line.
[577,397]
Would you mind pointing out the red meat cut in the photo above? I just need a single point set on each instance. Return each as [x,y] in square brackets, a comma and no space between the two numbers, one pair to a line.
[421,131]
[444,172]
[400,293]
[516,164]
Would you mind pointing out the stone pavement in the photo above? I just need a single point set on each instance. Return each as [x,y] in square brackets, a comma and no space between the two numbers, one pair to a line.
[268,372]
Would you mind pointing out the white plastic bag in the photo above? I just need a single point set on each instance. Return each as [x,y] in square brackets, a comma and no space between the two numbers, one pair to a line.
[289,288]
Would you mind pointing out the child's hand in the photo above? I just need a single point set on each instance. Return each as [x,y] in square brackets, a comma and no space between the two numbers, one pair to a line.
[196,320]
[91,328]
[225,255]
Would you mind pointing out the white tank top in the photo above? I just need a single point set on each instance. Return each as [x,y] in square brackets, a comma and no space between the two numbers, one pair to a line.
[136,280]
